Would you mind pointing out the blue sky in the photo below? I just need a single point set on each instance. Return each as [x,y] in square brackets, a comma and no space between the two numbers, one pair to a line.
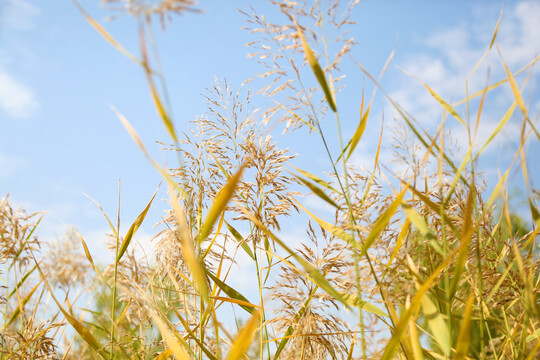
[60,140]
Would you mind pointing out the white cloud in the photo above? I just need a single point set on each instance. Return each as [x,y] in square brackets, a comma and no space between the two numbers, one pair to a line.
[16,99]
[17,15]
[452,53]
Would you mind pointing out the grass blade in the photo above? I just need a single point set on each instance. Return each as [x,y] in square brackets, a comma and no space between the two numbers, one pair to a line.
[240,240]
[76,324]
[381,222]
[317,70]
[317,191]
[316,179]
[232,293]
[244,338]
[220,202]
[133,229]
[358,132]
[20,307]
[193,261]
[463,340]
[106,35]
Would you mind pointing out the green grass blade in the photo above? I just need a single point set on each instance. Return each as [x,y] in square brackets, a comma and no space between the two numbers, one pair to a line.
[133,229]
[232,293]
[19,307]
[317,191]
[316,179]
[401,326]
[357,302]
[382,222]
[244,338]
[21,282]
[317,70]
[517,95]
[76,324]
[465,336]
[438,325]
[358,132]
[240,240]
[220,202]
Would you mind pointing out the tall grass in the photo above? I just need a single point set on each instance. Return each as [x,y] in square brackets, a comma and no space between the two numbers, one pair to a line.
[428,264]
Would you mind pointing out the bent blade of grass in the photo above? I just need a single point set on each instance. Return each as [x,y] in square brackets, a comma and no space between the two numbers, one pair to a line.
[436,208]
[113,229]
[76,324]
[463,340]
[232,293]
[240,240]
[133,229]
[418,221]
[243,341]
[220,202]
[317,191]
[382,222]
[89,257]
[317,70]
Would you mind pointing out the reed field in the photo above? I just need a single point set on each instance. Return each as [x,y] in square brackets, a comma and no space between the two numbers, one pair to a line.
[428,262]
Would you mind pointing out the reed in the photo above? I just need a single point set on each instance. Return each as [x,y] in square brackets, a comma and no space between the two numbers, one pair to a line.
[423,264]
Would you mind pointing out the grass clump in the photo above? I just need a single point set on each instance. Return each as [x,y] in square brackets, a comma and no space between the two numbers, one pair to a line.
[426,263]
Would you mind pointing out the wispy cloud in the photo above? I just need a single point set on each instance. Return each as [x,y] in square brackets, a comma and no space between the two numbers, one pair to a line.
[16,100]
[17,15]
[451,54]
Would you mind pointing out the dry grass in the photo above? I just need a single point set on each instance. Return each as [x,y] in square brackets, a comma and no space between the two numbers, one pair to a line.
[422,264]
